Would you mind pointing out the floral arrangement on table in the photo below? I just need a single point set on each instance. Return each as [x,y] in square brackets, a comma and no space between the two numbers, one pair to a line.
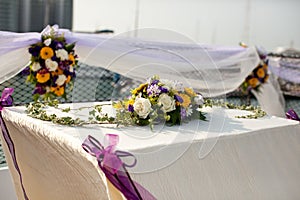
[258,76]
[157,101]
[52,65]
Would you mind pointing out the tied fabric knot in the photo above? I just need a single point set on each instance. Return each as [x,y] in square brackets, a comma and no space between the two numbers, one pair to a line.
[109,161]
[291,114]
[6,101]
[6,98]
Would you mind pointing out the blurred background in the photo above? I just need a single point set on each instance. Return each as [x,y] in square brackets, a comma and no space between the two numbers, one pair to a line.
[268,23]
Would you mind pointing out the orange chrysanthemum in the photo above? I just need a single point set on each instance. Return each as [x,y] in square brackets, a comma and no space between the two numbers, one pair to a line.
[59,90]
[186,100]
[253,82]
[71,58]
[57,72]
[190,92]
[260,73]
[46,52]
[42,77]
[68,79]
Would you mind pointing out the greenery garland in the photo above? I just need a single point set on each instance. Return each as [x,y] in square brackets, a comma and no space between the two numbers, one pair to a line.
[96,116]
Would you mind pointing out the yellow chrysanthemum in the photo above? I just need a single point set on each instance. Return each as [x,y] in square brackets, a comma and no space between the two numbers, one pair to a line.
[139,89]
[190,92]
[253,82]
[186,100]
[71,58]
[260,73]
[57,72]
[43,77]
[46,52]
[59,90]
[117,105]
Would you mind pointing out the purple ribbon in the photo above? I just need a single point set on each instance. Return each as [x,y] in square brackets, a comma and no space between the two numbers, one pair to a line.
[6,101]
[291,114]
[114,168]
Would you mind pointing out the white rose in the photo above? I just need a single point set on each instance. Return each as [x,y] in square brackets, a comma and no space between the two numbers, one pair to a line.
[62,54]
[51,65]
[142,107]
[61,79]
[35,66]
[47,42]
[199,100]
[168,103]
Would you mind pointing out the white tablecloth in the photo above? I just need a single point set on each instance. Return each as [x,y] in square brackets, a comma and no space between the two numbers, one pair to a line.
[222,158]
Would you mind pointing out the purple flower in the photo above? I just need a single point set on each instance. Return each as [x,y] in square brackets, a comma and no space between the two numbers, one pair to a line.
[163,90]
[178,98]
[56,45]
[39,90]
[182,113]
[153,90]
[26,71]
[155,82]
[34,50]
[130,108]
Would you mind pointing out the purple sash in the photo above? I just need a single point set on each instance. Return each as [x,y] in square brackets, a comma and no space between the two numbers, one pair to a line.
[113,167]
[291,114]
[7,100]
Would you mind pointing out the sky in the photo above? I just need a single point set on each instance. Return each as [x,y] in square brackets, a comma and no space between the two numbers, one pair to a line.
[266,23]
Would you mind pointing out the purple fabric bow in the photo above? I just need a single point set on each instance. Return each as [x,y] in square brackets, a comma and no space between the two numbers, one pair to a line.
[6,98]
[5,101]
[291,114]
[114,168]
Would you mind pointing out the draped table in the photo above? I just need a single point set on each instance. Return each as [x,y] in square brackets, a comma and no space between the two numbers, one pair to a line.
[222,158]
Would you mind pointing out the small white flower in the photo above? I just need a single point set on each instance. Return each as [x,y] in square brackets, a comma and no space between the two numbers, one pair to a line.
[199,100]
[51,65]
[35,66]
[62,54]
[189,111]
[47,89]
[142,107]
[47,42]
[71,69]
[168,103]
[61,80]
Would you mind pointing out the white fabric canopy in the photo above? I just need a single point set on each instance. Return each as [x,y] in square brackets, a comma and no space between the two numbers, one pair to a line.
[211,70]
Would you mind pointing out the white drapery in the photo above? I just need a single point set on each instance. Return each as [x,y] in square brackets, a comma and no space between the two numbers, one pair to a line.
[211,70]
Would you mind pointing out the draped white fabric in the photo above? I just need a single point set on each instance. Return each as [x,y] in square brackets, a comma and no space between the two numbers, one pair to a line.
[253,158]
[212,70]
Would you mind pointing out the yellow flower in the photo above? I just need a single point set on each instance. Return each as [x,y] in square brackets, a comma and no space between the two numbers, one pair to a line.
[129,102]
[71,58]
[59,90]
[190,92]
[42,77]
[253,82]
[260,73]
[117,105]
[139,89]
[68,79]
[186,100]
[46,52]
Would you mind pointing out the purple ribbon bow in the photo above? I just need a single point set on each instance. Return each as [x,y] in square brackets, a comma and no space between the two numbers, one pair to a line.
[5,101]
[114,168]
[291,114]
[6,98]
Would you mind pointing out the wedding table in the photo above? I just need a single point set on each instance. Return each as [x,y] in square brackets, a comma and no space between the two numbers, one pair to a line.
[222,158]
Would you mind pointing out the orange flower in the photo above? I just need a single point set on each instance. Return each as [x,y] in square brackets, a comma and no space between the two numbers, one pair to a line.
[186,100]
[68,79]
[253,82]
[46,52]
[266,78]
[57,72]
[42,77]
[71,58]
[260,73]
[59,90]
[265,66]
[190,92]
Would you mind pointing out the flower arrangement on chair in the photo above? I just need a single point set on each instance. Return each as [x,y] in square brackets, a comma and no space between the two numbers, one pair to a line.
[52,66]
[159,100]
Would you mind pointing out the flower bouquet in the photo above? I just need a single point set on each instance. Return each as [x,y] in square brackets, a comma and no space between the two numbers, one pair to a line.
[52,65]
[159,101]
